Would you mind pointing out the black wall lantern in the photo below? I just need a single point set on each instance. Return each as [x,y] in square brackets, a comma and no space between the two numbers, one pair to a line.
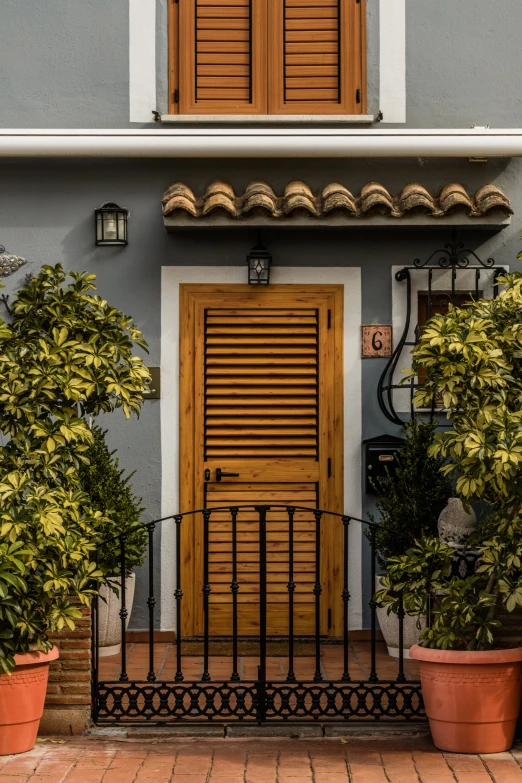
[111,224]
[259,261]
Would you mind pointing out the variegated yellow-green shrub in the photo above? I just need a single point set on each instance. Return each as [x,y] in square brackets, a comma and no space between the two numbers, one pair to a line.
[473,358]
[66,354]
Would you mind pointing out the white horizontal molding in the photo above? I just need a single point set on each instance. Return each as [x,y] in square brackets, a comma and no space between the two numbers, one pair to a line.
[261,143]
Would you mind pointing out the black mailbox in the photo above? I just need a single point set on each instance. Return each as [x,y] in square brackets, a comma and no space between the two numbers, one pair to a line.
[380,458]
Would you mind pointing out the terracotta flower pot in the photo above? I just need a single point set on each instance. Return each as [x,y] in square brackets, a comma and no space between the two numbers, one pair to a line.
[472,698]
[22,697]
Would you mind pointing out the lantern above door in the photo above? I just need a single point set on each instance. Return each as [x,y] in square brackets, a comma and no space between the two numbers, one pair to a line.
[259,261]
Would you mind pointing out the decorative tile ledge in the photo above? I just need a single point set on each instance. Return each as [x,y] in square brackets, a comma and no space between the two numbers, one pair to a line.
[334,205]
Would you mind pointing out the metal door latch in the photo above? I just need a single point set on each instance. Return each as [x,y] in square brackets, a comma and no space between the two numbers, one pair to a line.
[221,474]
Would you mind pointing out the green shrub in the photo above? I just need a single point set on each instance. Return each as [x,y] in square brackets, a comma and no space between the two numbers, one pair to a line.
[473,358]
[110,493]
[411,500]
[66,354]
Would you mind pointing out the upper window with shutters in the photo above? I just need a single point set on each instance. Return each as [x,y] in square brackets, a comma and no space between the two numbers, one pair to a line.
[273,57]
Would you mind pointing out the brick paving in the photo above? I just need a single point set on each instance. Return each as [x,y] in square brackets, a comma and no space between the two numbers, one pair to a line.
[275,760]
[221,666]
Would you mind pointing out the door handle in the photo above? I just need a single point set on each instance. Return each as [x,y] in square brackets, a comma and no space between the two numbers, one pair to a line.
[221,474]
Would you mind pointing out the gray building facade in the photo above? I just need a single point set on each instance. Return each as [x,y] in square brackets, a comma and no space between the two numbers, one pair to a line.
[73,65]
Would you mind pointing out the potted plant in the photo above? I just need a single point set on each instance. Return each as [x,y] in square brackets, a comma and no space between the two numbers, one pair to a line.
[65,354]
[409,505]
[110,492]
[472,686]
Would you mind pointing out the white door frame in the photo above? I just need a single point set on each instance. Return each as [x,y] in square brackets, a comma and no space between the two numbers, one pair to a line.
[171,278]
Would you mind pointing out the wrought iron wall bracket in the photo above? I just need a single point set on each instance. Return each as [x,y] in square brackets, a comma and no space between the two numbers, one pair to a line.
[452,256]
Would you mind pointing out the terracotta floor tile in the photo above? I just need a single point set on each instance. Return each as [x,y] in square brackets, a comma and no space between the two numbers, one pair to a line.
[120,775]
[5,778]
[505,769]
[227,777]
[52,777]
[17,766]
[182,778]
[438,777]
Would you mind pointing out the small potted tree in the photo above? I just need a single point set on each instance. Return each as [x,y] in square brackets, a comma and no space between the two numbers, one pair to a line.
[409,505]
[472,686]
[110,493]
[65,354]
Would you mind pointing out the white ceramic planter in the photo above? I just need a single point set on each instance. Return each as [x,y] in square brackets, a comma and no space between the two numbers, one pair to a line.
[389,625]
[109,622]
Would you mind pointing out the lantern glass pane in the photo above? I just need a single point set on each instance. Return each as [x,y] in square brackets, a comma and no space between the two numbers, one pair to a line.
[121,227]
[99,227]
[259,271]
[110,233]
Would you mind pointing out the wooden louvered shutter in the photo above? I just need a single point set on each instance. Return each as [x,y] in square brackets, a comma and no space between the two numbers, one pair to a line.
[315,56]
[222,56]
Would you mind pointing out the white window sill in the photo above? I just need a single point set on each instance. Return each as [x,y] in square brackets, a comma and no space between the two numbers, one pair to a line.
[265,119]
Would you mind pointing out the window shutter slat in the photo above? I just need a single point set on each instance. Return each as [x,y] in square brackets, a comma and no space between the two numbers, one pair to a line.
[222,56]
[315,56]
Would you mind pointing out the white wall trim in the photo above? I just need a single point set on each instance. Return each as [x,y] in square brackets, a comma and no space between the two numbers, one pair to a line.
[392,66]
[142,60]
[419,283]
[171,278]
[320,142]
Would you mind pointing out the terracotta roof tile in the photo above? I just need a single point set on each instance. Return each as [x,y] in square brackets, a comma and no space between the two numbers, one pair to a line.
[490,197]
[373,198]
[336,196]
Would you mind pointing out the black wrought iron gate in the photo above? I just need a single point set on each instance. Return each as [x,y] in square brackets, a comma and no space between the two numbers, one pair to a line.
[350,690]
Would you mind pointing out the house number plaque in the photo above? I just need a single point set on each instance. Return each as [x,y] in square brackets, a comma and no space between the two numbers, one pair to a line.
[376,340]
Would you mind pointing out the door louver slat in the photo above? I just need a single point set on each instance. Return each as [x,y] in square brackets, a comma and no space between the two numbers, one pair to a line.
[283,386]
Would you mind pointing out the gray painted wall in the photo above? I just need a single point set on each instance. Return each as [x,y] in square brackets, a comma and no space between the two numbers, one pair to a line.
[64,63]
[461,57]
[46,215]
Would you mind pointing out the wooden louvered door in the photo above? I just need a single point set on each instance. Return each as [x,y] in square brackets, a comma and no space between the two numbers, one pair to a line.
[261,397]
[315,56]
[222,56]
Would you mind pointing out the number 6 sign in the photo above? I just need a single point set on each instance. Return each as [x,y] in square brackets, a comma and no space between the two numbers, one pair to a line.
[376,340]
